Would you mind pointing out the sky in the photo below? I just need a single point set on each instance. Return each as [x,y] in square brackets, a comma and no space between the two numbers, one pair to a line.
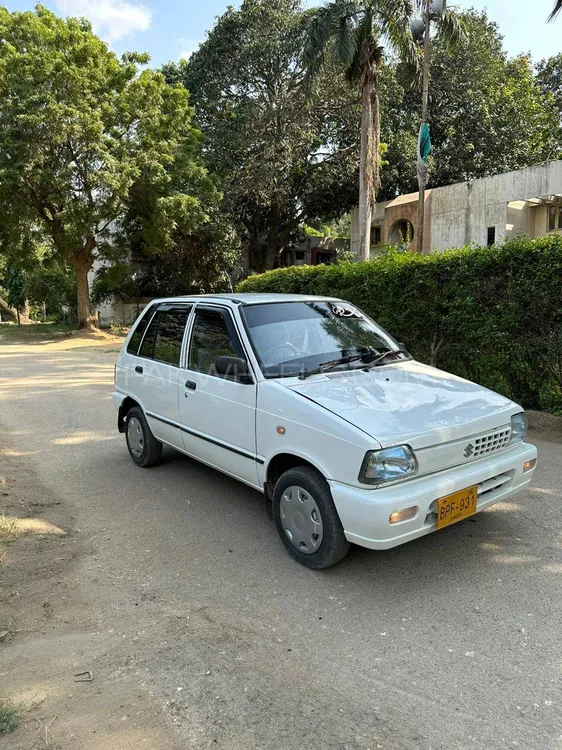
[170,29]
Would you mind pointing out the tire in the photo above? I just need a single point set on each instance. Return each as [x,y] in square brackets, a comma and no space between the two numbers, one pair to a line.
[311,531]
[144,448]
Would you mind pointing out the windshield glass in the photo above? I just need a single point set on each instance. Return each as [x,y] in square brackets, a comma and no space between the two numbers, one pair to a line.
[291,338]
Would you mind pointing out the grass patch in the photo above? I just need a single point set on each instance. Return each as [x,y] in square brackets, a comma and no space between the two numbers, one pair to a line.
[8,528]
[9,717]
[8,531]
[33,330]
[11,528]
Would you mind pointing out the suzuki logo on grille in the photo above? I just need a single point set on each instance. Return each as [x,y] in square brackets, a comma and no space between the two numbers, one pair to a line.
[469,450]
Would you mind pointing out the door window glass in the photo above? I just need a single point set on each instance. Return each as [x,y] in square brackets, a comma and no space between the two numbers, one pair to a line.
[133,345]
[210,339]
[171,327]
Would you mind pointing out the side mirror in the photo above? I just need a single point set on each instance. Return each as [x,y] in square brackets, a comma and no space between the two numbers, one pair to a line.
[234,367]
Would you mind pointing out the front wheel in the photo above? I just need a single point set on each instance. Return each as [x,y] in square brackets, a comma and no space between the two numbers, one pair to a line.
[144,448]
[307,520]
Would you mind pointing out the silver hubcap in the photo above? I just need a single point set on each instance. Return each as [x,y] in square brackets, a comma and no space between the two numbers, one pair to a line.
[301,520]
[135,436]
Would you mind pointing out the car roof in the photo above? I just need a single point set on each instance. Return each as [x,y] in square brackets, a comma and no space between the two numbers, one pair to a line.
[257,298]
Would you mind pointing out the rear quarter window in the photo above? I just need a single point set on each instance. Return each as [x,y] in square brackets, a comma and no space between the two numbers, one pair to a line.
[140,328]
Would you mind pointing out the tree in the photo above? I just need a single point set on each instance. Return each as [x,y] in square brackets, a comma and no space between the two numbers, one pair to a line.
[279,155]
[351,34]
[51,289]
[549,79]
[14,283]
[556,10]
[79,128]
[205,261]
[495,120]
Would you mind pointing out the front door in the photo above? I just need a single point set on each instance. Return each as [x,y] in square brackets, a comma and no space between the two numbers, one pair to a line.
[157,370]
[217,412]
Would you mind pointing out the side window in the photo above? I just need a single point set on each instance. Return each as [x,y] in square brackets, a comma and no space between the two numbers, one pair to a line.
[133,345]
[171,327]
[147,346]
[211,339]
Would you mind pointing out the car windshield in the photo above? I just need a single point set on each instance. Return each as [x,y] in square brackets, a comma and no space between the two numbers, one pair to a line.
[294,338]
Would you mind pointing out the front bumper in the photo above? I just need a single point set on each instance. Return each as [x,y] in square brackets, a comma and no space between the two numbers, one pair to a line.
[364,513]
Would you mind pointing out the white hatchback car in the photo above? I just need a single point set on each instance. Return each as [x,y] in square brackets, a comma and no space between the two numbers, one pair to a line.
[310,402]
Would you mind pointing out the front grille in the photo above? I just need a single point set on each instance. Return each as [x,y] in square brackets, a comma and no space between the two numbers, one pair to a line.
[490,486]
[490,443]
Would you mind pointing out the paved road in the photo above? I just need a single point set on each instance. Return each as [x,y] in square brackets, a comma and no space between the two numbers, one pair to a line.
[452,641]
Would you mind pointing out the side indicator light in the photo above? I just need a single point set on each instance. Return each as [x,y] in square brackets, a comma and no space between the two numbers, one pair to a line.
[529,465]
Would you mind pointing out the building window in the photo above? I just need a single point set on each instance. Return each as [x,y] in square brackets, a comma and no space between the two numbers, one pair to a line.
[286,258]
[491,236]
[376,238]
[325,258]
[300,258]
[552,211]
[559,217]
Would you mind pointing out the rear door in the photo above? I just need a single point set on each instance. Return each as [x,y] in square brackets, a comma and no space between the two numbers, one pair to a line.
[157,370]
[218,412]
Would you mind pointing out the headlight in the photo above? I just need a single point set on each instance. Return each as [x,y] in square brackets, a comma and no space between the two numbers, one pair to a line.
[518,428]
[388,465]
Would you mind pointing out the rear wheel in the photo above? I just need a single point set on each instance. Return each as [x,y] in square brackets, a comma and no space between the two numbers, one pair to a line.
[144,448]
[307,520]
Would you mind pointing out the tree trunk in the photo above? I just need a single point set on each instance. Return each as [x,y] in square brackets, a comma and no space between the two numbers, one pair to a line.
[365,169]
[14,313]
[81,266]
[272,245]
[376,137]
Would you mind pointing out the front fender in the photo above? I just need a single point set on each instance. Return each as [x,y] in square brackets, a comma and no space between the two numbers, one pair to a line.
[288,423]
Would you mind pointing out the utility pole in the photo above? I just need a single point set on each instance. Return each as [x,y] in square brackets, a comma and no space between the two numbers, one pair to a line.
[425,101]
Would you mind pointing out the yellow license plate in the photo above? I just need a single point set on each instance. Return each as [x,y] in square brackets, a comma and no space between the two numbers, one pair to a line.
[457,506]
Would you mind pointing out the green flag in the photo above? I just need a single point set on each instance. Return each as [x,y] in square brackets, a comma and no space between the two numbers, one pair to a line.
[424,149]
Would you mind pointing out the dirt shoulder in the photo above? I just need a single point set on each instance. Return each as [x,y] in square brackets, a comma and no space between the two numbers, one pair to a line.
[49,632]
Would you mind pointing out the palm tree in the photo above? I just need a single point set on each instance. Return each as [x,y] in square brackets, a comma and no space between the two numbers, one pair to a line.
[556,10]
[354,34]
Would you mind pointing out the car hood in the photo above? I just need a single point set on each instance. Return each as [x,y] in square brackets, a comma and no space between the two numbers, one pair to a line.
[408,403]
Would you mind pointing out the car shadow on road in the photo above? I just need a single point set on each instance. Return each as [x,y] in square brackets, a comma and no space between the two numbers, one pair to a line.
[493,544]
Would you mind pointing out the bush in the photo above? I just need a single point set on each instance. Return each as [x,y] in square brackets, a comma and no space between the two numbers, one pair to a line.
[54,284]
[489,314]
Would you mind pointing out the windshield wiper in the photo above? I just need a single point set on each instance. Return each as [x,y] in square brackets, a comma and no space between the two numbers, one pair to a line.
[324,366]
[380,359]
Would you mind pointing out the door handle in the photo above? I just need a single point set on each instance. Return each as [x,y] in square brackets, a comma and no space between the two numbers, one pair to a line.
[191,385]
[138,369]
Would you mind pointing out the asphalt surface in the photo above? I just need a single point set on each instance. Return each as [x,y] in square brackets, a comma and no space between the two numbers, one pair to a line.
[452,641]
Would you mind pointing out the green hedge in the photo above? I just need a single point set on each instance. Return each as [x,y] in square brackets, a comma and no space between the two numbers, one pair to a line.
[490,314]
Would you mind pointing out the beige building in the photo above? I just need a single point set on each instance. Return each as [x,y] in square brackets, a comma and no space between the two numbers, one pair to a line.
[528,201]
